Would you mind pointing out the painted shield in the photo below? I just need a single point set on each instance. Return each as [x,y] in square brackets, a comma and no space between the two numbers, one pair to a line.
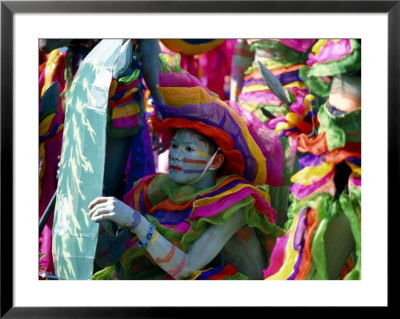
[82,163]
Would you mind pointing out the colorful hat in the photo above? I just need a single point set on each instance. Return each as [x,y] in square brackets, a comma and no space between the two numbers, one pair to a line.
[249,147]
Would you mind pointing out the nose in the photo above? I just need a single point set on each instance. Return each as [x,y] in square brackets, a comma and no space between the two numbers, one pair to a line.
[176,154]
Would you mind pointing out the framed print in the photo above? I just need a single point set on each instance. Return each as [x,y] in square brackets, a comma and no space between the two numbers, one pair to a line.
[371,28]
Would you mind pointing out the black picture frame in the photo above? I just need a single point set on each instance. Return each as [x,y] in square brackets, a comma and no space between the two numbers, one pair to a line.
[9,8]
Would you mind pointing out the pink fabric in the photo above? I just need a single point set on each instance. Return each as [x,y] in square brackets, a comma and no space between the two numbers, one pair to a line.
[182,227]
[126,122]
[49,184]
[301,45]
[271,124]
[178,80]
[260,97]
[356,181]
[298,107]
[268,142]
[332,51]
[228,201]
[300,191]
[277,256]
[49,181]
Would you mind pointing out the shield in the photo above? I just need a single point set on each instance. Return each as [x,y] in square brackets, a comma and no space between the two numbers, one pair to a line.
[81,174]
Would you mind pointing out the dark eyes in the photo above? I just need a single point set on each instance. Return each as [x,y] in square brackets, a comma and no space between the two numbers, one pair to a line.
[187,148]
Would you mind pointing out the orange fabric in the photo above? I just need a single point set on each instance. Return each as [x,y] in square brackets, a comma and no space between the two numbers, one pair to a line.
[340,154]
[312,222]
[244,233]
[316,145]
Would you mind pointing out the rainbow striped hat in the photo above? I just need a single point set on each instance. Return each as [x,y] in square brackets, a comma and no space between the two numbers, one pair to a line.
[248,145]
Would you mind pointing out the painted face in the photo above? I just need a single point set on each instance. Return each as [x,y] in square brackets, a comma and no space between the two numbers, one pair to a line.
[188,156]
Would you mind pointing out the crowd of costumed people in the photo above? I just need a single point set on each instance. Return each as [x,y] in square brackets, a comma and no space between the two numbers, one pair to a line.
[272,188]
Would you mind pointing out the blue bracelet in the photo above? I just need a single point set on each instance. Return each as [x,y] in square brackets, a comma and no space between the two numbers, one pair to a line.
[147,238]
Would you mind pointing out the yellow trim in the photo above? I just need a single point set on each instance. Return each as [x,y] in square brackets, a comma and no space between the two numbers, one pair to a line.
[153,239]
[309,175]
[45,124]
[125,111]
[197,273]
[51,65]
[291,256]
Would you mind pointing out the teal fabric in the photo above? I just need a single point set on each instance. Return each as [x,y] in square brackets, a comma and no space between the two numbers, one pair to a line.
[82,163]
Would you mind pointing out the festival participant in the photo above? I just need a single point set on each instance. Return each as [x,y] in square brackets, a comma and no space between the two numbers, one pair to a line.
[207,218]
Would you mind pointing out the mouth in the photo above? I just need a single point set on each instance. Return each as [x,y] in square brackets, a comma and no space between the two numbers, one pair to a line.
[175,168]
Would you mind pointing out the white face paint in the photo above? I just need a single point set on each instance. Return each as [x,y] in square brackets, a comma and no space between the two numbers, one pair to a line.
[188,157]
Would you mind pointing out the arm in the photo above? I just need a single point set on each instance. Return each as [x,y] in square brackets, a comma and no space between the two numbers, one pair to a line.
[173,260]
[149,50]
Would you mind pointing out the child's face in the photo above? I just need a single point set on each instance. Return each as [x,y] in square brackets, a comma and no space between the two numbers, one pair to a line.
[188,156]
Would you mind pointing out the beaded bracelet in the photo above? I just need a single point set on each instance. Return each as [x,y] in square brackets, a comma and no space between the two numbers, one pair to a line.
[147,238]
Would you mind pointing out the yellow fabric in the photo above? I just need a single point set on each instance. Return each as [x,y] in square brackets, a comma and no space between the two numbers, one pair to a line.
[51,65]
[283,126]
[112,89]
[291,256]
[309,175]
[197,273]
[180,96]
[292,118]
[129,92]
[178,45]
[126,111]
[260,87]
[319,45]
[355,168]
[45,124]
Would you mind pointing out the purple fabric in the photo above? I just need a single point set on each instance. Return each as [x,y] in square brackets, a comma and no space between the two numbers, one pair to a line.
[309,160]
[271,124]
[171,217]
[126,122]
[183,79]
[298,241]
[268,142]
[277,256]
[284,78]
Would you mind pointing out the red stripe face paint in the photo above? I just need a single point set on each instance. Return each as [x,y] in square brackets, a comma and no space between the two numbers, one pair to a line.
[194,161]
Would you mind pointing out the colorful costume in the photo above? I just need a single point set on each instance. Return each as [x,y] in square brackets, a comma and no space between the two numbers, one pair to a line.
[182,213]
[327,187]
